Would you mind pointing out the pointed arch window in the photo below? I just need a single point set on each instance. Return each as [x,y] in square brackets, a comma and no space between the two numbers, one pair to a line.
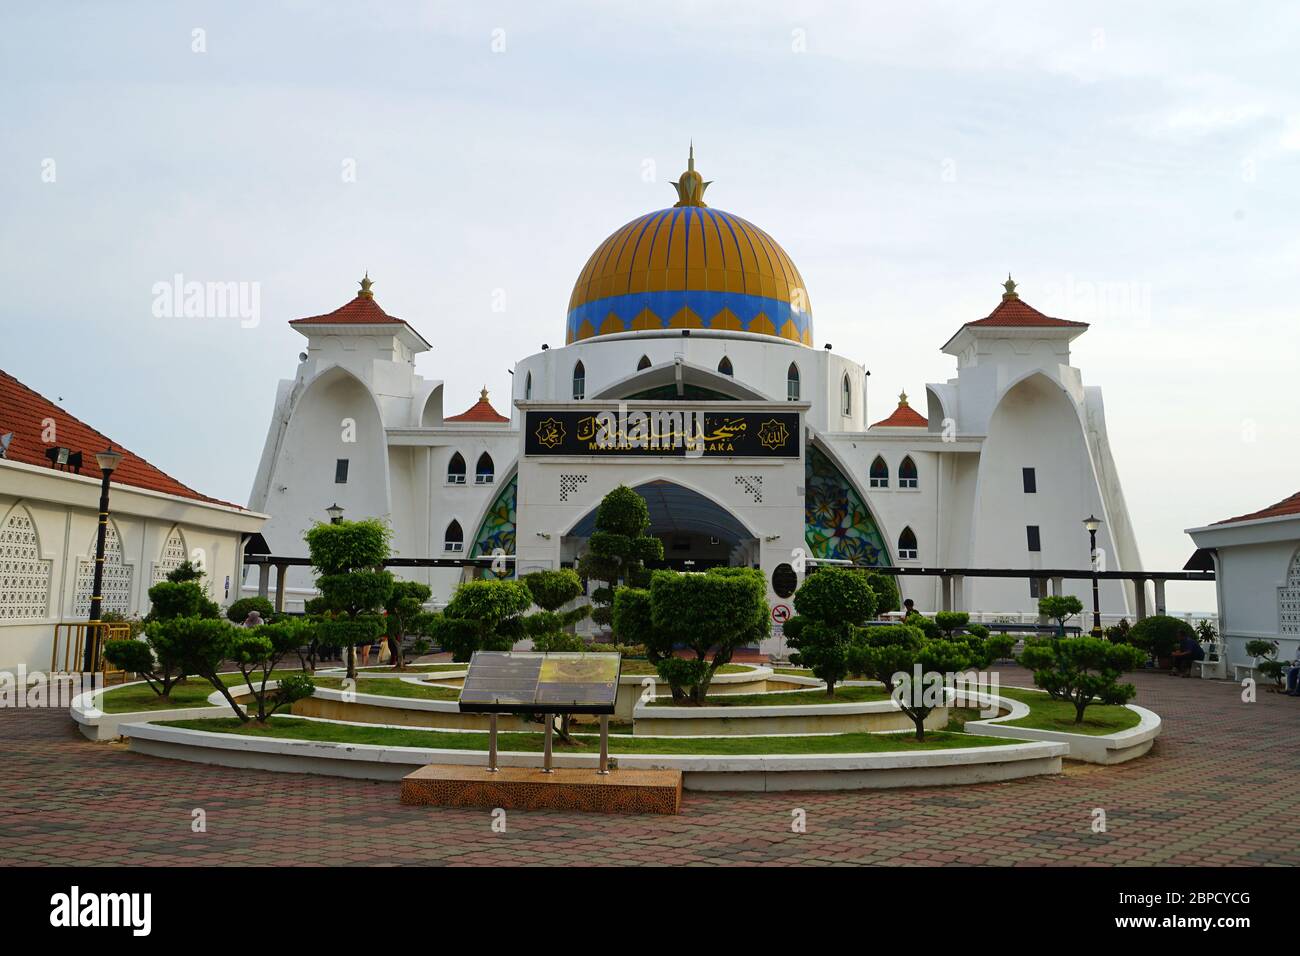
[579,382]
[725,366]
[846,396]
[454,538]
[907,477]
[528,386]
[24,574]
[879,475]
[644,364]
[792,383]
[483,471]
[1288,600]
[907,545]
[456,470]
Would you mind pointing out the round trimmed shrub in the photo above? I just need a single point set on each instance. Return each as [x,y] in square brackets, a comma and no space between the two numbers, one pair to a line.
[1160,634]
[239,610]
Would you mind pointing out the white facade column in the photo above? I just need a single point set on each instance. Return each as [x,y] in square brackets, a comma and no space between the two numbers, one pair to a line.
[263,580]
[1140,590]
[1160,595]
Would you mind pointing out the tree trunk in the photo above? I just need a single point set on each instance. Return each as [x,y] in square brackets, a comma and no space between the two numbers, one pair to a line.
[830,688]
[352,661]
[920,726]
[1079,705]
[395,649]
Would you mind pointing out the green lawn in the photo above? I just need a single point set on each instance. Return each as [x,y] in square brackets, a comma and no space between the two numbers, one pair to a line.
[1048,714]
[289,728]
[643,668]
[411,668]
[843,695]
[193,693]
[793,671]
[388,687]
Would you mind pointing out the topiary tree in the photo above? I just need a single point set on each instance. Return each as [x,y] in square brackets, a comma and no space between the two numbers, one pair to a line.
[1060,608]
[828,605]
[160,671]
[1000,646]
[618,549]
[404,607]
[885,588]
[549,627]
[200,645]
[157,658]
[950,622]
[1083,670]
[238,611]
[257,651]
[1160,634]
[633,622]
[1265,654]
[348,557]
[710,613]
[891,655]
[483,615]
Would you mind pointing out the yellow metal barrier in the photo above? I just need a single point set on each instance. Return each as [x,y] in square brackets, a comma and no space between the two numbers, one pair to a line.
[70,645]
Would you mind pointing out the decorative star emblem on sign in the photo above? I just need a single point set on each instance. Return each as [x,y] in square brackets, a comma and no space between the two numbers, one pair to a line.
[550,433]
[773,434]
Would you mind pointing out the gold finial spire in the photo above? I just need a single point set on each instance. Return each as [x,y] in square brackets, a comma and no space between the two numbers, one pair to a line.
[365,292]
[902,400]
[1010,286]
[691,185]
[482,396]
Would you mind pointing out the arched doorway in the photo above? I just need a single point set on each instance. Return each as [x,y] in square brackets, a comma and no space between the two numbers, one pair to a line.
[697,532]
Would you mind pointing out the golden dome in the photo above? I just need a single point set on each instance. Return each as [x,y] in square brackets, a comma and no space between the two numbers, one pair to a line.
[690,267]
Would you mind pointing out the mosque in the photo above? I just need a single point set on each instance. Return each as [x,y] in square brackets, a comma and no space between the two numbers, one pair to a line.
[690,372]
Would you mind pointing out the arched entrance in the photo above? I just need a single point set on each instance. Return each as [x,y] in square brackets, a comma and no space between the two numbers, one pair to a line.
[697,532]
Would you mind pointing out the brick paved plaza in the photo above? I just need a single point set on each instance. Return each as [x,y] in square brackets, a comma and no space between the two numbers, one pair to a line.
[1220,787]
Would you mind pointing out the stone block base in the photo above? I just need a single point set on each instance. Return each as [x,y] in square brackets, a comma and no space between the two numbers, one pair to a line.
[527,788]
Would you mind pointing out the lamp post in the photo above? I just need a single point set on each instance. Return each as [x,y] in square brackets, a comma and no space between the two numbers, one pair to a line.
[1092,523]
[108,460]
[335,513]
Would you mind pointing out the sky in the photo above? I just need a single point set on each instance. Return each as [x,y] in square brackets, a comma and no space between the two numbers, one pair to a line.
[1132,166]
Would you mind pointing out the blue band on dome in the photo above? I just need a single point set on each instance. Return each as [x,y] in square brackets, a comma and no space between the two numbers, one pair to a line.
[664,305]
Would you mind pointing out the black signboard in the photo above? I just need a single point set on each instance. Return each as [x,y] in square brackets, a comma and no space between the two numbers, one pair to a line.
[659,432]
[527,682]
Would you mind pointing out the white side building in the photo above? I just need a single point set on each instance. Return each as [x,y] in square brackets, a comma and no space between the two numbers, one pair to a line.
[1256,560]
[49,522]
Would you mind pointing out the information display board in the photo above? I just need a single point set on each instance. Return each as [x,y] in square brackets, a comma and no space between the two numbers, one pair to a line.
[522,682]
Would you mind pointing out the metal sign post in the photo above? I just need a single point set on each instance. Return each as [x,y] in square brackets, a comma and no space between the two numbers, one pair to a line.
[604,745]
[546,746]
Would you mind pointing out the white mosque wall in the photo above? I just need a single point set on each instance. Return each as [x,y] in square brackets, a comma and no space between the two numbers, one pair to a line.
[1037,425]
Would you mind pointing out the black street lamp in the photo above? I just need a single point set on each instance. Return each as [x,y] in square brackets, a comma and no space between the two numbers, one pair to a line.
[335,513]
[108,460]
[1092,523]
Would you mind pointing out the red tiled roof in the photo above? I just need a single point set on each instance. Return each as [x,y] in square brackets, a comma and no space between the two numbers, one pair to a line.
[1013,311]
[1287,506]
[480,411]
[362,310]
[904,416]
[24,411]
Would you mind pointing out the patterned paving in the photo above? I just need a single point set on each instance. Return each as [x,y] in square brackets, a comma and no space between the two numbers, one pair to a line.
[1222,786]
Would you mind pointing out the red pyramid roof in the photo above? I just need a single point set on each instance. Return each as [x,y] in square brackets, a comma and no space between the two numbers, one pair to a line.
[480,411]
[1014,311]
[362,310]
[1287,506]
[904,416]
[24,411]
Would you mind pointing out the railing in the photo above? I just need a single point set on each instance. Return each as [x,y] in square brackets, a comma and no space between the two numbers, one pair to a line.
[70,645]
